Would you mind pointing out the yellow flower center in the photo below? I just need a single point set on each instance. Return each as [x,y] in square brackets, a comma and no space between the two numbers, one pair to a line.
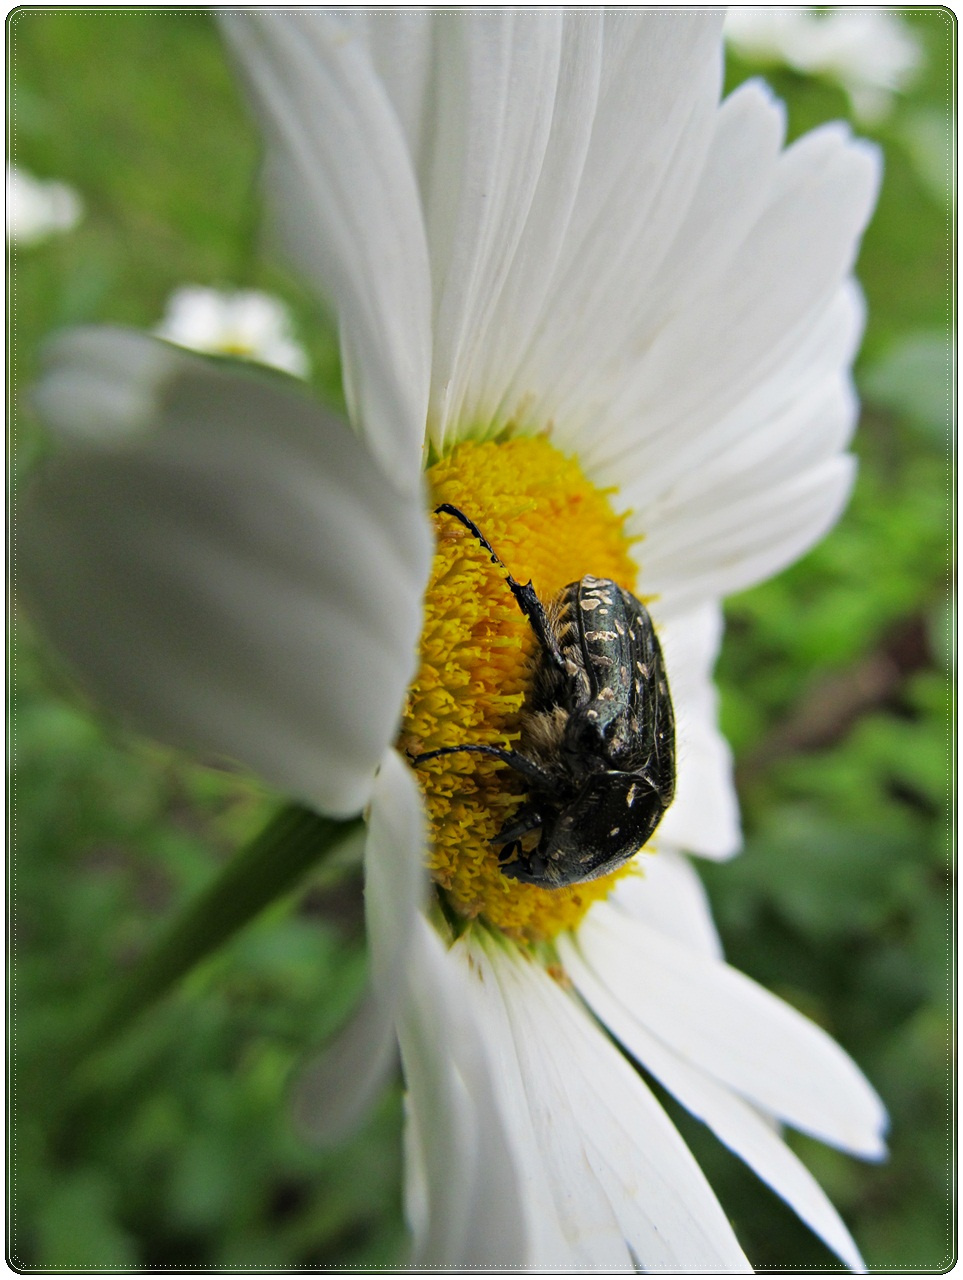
[545,522]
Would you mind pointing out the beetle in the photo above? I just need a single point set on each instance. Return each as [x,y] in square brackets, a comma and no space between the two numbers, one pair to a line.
[597,742]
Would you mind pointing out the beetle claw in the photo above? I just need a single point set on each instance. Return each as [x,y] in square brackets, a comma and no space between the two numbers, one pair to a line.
[510,852]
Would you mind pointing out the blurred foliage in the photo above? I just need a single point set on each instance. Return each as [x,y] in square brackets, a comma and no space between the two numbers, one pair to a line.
[836,694]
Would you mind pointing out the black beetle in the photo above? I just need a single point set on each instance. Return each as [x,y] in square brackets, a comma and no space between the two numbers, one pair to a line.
[597,735]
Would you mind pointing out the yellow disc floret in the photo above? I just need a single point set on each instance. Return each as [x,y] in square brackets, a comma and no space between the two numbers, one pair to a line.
[547,523]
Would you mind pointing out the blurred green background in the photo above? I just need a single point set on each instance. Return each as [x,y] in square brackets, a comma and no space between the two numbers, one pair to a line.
[836,692]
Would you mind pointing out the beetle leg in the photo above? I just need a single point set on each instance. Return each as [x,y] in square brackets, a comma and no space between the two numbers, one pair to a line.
[533,869]
[521,764]
[524,593]
[534,611]
[528,818]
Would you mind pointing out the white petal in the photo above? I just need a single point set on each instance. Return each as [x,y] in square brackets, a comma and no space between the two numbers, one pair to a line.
[99,386]
[720,1021]
[816,424]
[477,96]
[402,46]
[523,292]
[466,1203]
[704,816]
[495,87]
[337,1089]
[666,1210]
[236,576]
[733,186]
[719,548]
[668,896]
[733,189]
[778,429]
[574,1226]
[343,191]
[730,389]
[749,318]
[658,95]
[735,1122]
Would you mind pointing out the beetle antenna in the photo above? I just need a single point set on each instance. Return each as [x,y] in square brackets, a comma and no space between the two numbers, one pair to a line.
[447,509]
[524,592]
[521,764]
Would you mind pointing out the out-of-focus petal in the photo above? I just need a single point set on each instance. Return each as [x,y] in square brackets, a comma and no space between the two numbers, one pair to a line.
[222,563]
[871,53]
[340,182]
[39,208]
[466,1201]
[722,1022]
[338,1088]
[243,322]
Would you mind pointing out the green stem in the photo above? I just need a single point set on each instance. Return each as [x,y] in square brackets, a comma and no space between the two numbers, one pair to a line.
[275,860]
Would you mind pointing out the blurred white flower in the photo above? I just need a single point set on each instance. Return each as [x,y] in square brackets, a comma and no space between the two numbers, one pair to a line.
[871,53]
[240,322]
[615,319]
[38,208]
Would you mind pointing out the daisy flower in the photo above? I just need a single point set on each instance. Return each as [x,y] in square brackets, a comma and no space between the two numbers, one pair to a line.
[38,209]
[242,322]
[611,319]
[872,54]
